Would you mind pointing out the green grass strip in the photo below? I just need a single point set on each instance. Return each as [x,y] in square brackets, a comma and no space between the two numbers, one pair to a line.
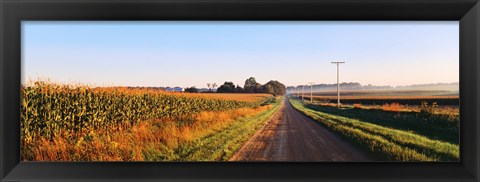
[390,143]
[221,145]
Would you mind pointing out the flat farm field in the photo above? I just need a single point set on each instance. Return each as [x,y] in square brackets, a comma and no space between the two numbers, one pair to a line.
[375,97]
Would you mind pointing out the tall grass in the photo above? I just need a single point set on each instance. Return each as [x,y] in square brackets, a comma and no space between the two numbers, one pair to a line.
[393,107]
[388,143]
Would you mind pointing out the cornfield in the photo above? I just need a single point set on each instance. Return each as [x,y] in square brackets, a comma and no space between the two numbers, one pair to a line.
[48,109]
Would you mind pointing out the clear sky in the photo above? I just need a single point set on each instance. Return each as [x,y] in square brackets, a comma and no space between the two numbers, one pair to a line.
[169,53]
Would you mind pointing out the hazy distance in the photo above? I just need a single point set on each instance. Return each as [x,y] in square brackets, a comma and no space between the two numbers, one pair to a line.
[185,54]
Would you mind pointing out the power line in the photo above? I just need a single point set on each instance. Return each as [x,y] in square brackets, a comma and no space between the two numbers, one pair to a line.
[338,80]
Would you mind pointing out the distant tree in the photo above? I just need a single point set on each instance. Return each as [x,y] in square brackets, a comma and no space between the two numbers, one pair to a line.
[251,85]
[259,88]
[239,89]
[274,87]
[227,87]
[268,88]
[291,89]
[191,90]
[208,85]
[214,85]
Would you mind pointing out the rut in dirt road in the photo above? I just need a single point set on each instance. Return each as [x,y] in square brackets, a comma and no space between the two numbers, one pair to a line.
[291,136]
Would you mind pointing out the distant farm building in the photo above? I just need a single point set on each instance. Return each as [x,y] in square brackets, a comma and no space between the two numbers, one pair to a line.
[175,89]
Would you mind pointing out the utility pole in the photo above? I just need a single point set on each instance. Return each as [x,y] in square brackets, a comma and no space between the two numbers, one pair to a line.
[311,92]
[298,91]
[338,81]
[295,91]
[303,90]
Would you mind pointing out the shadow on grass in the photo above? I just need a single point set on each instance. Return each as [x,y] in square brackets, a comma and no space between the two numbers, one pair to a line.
[434,127]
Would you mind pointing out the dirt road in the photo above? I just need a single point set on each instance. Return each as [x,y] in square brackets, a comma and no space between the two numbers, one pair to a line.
[291,136]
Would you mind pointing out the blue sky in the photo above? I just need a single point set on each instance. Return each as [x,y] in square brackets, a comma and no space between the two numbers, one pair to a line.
[169,53]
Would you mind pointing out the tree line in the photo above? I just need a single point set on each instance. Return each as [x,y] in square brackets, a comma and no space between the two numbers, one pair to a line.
[251,86]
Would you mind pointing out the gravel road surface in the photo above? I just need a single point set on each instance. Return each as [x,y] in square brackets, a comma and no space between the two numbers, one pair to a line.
[292,136]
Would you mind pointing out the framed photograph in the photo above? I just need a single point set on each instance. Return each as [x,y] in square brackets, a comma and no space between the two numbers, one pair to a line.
[239,90]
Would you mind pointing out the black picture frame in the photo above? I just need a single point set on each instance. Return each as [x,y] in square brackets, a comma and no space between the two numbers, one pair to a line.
[12,12]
